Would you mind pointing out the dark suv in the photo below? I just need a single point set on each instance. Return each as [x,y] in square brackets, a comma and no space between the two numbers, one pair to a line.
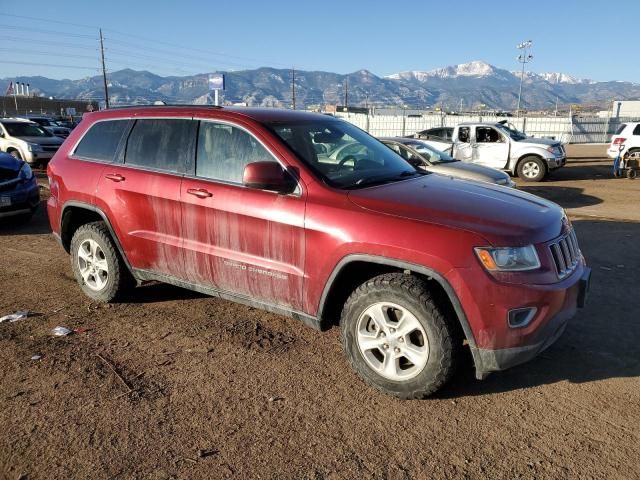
[250,205]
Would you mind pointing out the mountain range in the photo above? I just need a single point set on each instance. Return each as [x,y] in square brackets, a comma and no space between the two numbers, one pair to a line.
[465,85]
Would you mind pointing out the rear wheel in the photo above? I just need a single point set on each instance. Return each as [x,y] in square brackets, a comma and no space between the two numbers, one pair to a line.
[96,263]
[396,338]
[531,169]
[632,173]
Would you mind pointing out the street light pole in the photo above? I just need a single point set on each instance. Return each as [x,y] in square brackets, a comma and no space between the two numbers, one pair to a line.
[523,58]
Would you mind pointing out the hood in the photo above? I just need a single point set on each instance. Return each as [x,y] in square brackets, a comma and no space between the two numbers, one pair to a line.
[503,216]
[469,171]
[547,142]
[9,162]
[43,140]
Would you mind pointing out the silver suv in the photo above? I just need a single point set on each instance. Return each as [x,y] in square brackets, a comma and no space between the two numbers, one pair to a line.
[27,140]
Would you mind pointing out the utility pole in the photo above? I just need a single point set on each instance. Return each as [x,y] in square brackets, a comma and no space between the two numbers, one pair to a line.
[346,92]
[293,87]
[523,58]
[104,72]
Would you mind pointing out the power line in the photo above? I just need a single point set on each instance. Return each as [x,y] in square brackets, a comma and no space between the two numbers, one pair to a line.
[52,54]
[47,20]
[47,32]
[45,42]
[48,65]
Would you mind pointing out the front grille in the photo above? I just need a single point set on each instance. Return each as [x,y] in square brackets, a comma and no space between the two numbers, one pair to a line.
[565,253]
[50,148]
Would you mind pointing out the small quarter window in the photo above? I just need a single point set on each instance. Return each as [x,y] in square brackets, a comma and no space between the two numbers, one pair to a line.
[101,141]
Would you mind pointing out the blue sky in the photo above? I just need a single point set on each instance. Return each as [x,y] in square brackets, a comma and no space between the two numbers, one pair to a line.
[584,39]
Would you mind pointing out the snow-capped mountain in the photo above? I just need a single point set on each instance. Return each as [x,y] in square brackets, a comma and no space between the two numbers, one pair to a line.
[471,83]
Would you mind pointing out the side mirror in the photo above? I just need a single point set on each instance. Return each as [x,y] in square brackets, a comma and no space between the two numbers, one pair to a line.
[268,176]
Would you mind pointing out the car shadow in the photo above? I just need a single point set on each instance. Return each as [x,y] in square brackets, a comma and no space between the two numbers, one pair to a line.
[38,224]
[566,197]
[582,170]
[157,292]
[601,341]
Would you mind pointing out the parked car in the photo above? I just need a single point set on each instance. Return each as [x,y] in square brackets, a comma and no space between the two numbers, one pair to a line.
[238,203]
[420,154]
[19,193]
[50,126]
[625,140]
[497,145]
[439,138]
[27,140]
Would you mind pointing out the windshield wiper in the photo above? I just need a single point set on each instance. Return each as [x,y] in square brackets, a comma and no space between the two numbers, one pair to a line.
[380,180]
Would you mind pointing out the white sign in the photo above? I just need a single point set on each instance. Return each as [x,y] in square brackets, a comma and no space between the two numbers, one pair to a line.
[216,81]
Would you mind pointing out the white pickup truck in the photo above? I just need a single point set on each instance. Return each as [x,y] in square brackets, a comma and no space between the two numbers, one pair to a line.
[497,145]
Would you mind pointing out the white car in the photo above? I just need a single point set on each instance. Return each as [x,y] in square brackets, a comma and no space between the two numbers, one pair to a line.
[27,140]
[625,140]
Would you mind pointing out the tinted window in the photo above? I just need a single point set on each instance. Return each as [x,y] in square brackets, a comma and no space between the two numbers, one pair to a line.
[223,152]
[463,134]
[636,131]
[165,144]
[24,129]
[101,141]
[620,128]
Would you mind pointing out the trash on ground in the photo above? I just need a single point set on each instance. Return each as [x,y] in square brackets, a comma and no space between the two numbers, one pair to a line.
[14,317]
[80,330]
[36,357]
[61,331]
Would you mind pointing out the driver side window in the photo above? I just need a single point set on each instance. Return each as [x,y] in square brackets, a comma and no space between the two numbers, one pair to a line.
[487,135]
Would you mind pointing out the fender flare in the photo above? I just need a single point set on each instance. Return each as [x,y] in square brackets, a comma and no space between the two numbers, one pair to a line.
[439,278]
[105,219]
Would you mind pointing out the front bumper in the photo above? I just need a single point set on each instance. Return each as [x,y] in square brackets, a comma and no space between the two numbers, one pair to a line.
[556,161]
[546,333]
[20,201]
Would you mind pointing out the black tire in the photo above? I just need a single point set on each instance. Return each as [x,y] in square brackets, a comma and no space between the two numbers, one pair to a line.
[632,173]
[118,279]
[412,294]
[531,169]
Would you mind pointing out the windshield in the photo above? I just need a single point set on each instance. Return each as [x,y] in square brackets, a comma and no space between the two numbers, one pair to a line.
[513,133]
[25,130]
[431,154]
[343,155]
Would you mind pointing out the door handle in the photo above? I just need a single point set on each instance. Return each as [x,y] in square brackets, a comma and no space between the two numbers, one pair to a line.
[199,192]
[114,177]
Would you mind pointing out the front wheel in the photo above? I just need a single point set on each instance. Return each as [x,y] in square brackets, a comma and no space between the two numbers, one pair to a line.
[532,169]
[15,154]
[396,338]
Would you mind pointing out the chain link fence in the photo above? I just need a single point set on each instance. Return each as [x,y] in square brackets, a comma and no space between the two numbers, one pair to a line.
[564,129]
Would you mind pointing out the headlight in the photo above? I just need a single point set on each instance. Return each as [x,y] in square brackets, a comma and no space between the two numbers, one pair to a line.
[508,259]
[25,172]
[34,147]
[553,150]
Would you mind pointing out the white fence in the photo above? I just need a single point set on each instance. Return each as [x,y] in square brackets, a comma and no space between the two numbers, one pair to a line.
[564,129]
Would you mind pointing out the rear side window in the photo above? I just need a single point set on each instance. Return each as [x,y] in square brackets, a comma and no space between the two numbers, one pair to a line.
[101,141]
[620,128]
[223,152]
[463,134]
[636,131]
[163,144]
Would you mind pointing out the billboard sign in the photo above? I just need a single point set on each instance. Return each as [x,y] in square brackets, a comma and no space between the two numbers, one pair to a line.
[216,81]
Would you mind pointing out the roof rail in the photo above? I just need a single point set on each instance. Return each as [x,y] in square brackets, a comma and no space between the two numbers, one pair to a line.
[184,105]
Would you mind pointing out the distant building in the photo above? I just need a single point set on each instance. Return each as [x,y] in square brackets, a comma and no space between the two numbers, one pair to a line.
[625,108]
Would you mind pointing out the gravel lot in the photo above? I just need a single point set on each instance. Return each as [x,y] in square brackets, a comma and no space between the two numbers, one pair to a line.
[173,384]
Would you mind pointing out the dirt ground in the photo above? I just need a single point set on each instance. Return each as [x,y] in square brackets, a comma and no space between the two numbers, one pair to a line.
[174,384]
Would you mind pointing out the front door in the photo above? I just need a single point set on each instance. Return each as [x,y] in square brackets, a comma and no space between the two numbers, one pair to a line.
[244,241]
[490,148]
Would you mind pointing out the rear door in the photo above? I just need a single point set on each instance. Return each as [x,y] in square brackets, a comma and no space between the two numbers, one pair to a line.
[245,241]
[141,195]
[490,147]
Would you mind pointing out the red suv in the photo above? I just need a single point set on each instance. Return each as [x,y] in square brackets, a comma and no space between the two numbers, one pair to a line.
[308,216]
